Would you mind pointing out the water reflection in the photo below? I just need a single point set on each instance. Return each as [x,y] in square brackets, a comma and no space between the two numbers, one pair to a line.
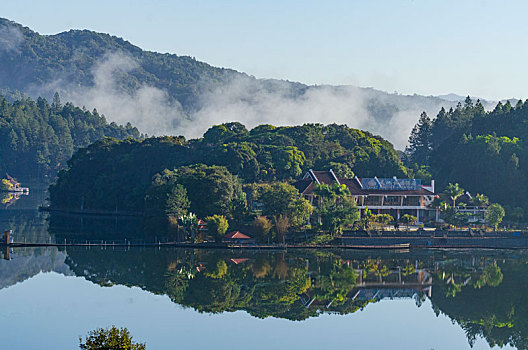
[482,292]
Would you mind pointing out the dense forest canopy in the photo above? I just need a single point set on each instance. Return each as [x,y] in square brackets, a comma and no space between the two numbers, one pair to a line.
[37,138]
[485,152]
[115,175]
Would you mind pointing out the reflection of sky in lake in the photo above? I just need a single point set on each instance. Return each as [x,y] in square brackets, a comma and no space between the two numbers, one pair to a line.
[50,311]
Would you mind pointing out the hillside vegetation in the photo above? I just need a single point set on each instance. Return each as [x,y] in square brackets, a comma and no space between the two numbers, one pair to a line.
[486,152]
[115,175]
[36,138]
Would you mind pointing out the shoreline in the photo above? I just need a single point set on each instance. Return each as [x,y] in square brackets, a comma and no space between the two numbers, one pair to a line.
[366,245]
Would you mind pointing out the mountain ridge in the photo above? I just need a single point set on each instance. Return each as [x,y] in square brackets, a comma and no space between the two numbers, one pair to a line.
[164,93]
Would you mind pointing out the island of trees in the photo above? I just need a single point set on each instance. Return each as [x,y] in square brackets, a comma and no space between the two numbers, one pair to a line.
[237,179]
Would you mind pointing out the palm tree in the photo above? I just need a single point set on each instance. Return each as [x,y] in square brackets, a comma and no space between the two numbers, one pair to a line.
[480,200]
[454,191]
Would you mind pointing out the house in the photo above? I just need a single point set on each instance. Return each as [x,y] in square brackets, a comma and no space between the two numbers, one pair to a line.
[392,196]
[475,214]
[237,237]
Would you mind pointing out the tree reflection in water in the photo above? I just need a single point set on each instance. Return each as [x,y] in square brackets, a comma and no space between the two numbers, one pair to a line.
[483,293]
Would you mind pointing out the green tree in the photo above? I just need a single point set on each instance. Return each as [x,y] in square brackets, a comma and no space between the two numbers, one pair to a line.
[261,228]
[420,141]
[335,208]
[166,199]
[217,226]
[282,224]
[453,192]
[280,198]
[479,200]
[494,214]
[211,189]
[190,225]
[110,339]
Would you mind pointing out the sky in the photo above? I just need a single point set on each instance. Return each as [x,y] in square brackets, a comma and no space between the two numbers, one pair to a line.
[426,47]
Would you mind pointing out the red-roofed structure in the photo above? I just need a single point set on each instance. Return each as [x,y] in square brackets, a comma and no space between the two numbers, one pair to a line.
[238,261]
[392,196]
[237,237]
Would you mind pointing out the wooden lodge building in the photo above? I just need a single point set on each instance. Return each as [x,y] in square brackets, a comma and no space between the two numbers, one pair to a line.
[393,196]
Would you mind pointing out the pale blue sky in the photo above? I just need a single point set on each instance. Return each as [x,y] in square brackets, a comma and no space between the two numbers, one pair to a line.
[427,47]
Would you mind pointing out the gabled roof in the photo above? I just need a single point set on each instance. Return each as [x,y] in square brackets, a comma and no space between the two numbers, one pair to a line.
[312,178]
[236,235]
[324,177]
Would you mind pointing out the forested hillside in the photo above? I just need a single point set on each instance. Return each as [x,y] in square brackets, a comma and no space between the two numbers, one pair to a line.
[115,175]
[485,152]
[32,61]
[37,138]
[166,93]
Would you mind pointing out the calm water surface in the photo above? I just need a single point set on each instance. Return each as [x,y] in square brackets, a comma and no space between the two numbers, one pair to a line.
[192,299]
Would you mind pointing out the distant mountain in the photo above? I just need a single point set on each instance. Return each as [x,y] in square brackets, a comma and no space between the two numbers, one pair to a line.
[171,94]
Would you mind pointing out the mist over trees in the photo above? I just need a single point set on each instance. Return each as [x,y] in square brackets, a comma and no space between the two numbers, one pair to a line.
[170,94]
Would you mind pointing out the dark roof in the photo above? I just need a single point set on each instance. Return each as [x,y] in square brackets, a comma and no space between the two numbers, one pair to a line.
[236,235]
[302,185]
[307,185]
[324,177]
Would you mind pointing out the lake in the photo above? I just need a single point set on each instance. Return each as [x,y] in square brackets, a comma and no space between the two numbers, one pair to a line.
[221,299]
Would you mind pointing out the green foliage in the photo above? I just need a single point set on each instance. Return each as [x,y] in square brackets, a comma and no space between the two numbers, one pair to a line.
[491,276]
[483,151]
[189,223]
[383,218]
[211,189]
[110,339]
[453,192]
[217,226]
[219,271]
[335,210]
[408,219]
[37,139]
[480,200]
[166,199]
[261,228]
[321,239]
[494,214]
[420,141]
[280,198]
[116,175]
[282,224]
[367,219]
